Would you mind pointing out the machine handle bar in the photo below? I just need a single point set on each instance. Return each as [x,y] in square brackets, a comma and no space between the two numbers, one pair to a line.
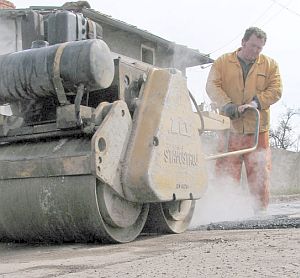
[243,151]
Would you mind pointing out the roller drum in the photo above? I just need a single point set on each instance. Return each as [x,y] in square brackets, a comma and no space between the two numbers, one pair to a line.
[48,194]
[29,74]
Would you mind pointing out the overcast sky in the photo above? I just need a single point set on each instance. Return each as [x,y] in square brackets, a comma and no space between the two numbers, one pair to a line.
[215,27]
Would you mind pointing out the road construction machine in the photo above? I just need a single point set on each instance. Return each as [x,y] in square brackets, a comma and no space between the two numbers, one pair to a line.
[94,146]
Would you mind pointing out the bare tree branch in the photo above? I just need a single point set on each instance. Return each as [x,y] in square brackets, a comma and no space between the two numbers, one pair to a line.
[283,136]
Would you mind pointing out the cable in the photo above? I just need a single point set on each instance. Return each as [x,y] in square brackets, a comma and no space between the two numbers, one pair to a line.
[276,14]
[199,112]
[241,33]
[286,7]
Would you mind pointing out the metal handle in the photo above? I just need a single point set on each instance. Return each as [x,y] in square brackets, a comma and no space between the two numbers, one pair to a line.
[243,151]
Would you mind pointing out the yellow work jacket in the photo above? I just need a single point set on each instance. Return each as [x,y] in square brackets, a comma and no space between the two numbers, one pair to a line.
[225,84]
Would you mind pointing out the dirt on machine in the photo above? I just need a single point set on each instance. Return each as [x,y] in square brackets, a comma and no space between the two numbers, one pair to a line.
[96,146]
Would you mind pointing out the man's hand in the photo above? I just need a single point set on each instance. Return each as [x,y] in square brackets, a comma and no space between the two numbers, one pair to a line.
[230,110]
[242,108]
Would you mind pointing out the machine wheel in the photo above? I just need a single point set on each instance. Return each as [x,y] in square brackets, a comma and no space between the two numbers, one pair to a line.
[170,217]
[67,209]
[122,221]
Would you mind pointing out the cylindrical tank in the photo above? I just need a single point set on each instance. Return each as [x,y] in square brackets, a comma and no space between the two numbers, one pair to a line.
[29,74]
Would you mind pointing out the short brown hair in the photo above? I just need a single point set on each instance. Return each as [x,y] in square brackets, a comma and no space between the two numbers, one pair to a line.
[256,31]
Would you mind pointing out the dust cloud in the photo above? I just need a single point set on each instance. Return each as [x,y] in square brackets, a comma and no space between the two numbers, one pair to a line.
[223,201]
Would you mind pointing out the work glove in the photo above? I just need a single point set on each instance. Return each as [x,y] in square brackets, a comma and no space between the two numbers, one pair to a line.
[231,110]
[252,104]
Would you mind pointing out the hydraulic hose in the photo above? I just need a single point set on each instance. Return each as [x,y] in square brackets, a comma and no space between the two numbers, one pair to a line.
[198,112]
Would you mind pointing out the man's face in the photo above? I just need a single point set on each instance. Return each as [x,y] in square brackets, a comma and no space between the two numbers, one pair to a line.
[252,47]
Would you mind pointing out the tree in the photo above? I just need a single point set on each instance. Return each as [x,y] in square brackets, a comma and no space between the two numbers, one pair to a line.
[283,136]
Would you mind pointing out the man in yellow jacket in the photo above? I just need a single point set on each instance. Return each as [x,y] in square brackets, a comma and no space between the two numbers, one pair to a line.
[239,80]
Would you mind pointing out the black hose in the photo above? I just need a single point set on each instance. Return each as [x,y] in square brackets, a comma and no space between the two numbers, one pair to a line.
[199,113]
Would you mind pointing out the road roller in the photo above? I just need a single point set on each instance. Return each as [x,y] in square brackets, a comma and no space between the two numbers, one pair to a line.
[78,163]
[95,146]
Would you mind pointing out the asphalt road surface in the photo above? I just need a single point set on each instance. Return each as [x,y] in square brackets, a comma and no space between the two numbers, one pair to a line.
[267,246]
[237,253]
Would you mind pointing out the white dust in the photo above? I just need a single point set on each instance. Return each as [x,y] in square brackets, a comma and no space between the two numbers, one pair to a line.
[223,201]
